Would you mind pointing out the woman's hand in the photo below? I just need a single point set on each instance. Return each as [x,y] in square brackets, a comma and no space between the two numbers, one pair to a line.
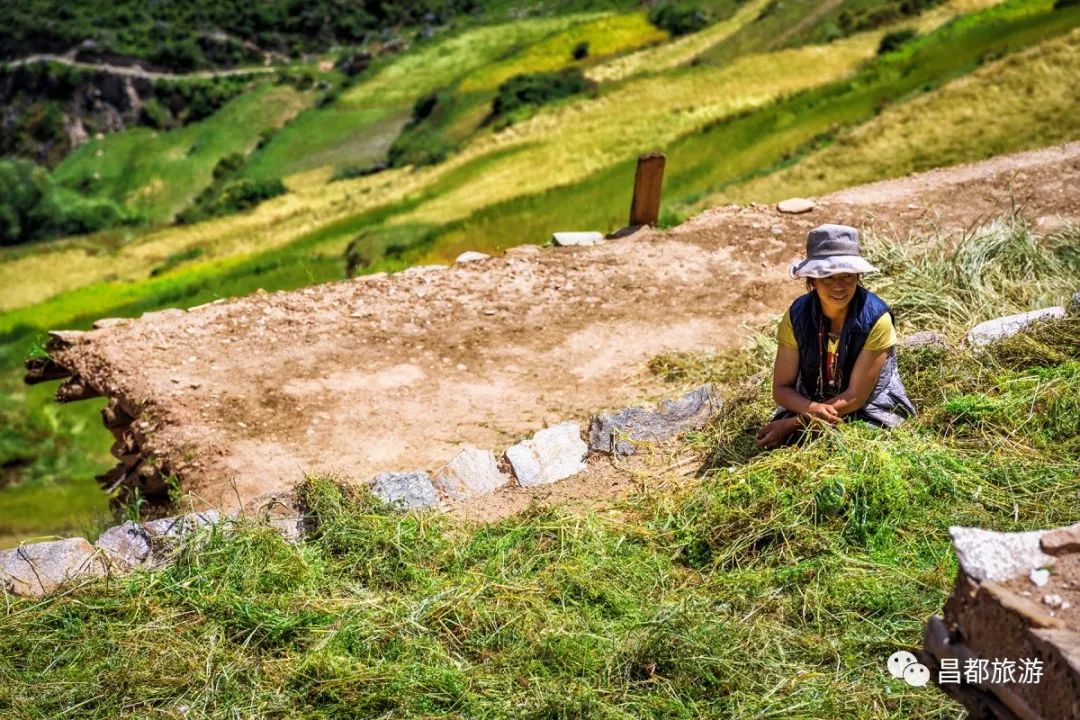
[822,412]
[774,433]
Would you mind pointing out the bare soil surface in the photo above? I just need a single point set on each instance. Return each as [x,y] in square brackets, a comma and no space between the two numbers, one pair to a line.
[391,373]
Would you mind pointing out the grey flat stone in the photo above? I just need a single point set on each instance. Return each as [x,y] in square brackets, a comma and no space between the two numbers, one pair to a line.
[924,338]
[551,455]
[472,472]
[471,256]
[38,569]
[999,328]
[571,239]
[795,206]
[127,545]
[407,490]
[998,556]
[621,432]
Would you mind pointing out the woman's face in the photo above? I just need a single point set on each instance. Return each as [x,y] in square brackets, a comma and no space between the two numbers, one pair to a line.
[836,290]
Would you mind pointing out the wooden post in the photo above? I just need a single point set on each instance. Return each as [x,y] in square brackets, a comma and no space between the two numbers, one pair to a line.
[645,207]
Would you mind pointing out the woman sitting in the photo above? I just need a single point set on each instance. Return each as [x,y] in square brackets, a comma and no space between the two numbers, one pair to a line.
[835,358]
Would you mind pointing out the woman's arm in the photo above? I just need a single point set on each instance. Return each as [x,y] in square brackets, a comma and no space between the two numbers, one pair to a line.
[785,375]
[863,378]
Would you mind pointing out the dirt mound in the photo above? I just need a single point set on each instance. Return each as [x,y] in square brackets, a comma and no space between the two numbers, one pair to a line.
[389,373]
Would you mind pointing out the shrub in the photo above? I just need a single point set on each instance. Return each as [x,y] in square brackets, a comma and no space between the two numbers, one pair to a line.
[154,115]
[90,215]
[678,19]
[538,89]
[893,40]
[182,55]
[425,147]
[224,197]
[421,141]
[423,108]
[581,50]
[1059,4]
[28,208]
[228,166]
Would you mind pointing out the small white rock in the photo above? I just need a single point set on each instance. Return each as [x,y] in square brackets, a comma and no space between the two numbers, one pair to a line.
[551,455]
[472,472]
[567,239]
[1039,576]
[471,256]
[794,206]
[1053,600]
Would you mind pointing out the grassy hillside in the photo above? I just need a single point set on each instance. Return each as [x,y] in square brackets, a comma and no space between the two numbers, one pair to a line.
[359,126]
[774,585]
[992,111]
[157,174]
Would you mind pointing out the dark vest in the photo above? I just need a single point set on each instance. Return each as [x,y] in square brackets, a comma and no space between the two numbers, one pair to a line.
[888,402]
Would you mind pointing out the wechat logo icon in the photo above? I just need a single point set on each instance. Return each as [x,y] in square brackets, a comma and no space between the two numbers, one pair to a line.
[904,666]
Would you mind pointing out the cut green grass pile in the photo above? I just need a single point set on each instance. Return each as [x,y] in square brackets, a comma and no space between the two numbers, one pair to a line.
[775,585]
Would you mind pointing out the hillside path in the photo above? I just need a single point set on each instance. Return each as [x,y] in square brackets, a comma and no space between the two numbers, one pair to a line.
[137,70]
[390,373]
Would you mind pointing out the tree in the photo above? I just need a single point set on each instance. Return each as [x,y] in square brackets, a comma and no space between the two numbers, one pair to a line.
[28,207]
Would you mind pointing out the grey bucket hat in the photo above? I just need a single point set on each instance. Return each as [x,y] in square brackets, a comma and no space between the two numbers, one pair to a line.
[830,250]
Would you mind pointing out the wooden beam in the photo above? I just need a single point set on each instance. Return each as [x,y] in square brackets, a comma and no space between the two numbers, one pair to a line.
[645,207]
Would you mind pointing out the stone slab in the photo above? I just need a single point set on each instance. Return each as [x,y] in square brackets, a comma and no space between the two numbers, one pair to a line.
[40,568]
[407,490]
[571,239]
[621,432]
[795,206]
[998,556]
[472,472]
[551,455]
[127,545]
[1000,328]
[471,256]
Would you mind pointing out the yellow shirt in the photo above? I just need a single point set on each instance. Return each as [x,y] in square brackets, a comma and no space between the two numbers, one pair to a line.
[882,336]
